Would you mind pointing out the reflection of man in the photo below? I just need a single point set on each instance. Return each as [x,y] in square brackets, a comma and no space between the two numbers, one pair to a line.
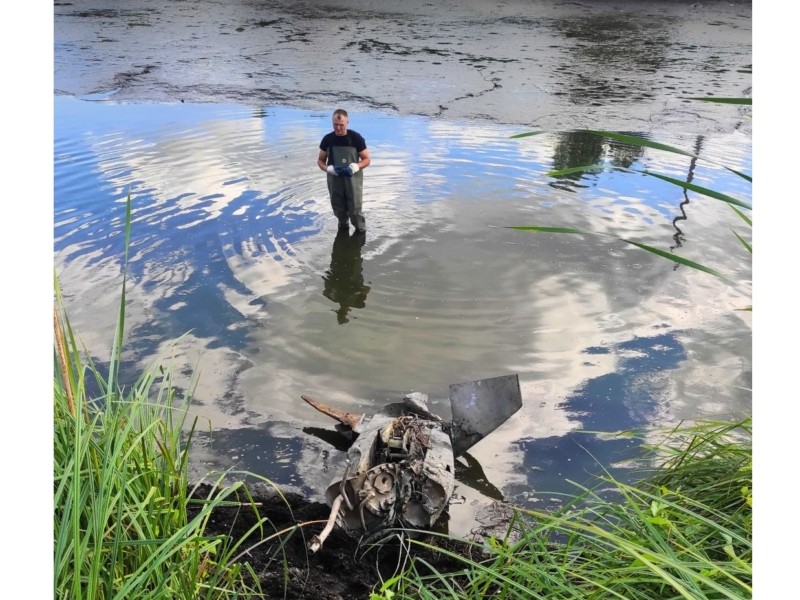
[344,281]
[343,155]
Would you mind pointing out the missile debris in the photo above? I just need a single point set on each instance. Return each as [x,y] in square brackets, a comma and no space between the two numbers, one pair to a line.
[400,468]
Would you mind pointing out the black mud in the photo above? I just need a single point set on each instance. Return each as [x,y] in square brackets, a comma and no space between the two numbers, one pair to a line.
[341,569]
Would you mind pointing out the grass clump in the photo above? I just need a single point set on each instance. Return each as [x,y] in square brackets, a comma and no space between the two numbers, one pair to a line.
[685,531]
[125,523]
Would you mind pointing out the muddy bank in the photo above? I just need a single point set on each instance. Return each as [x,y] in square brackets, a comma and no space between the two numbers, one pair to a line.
[341,569]
[550,65]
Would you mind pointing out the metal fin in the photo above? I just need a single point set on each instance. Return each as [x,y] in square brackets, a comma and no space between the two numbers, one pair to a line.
[479,407]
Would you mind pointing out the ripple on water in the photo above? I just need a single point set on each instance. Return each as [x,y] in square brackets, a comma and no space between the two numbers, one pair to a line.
[233,239]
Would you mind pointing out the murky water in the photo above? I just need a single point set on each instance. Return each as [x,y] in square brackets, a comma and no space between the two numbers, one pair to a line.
[237,273]
[553,65]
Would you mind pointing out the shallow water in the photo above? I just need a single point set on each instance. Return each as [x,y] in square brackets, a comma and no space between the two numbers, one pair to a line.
[238,276]
[544,64]
[237,272]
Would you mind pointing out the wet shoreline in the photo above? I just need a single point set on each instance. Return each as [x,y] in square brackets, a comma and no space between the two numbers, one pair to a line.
[554,66]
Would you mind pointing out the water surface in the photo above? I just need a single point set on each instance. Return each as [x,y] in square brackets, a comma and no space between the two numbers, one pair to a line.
[209,114]
[237,275]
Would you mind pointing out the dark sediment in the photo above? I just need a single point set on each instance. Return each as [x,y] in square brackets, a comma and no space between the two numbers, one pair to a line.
[342,569]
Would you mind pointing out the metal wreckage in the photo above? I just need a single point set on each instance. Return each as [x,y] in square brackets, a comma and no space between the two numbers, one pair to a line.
[400,468]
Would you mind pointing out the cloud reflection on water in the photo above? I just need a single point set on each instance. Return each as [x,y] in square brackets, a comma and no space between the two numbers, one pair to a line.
[232,241]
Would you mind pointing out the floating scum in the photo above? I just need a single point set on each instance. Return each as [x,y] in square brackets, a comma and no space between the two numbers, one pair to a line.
[400,466]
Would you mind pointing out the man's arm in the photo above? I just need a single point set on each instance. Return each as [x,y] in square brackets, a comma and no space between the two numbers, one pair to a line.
[322,160]
[363,159]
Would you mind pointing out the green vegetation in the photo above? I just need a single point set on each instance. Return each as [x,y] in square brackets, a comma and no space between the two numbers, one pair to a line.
[125,525]
[683,532]
[640,142]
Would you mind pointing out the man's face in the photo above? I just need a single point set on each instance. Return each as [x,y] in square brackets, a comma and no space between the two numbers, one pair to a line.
[340,125]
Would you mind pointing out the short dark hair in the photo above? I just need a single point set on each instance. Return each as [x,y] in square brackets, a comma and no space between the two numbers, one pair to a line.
[340,111]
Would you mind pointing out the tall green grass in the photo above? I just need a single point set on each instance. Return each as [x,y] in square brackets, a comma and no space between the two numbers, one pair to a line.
[685,531]
[125,524]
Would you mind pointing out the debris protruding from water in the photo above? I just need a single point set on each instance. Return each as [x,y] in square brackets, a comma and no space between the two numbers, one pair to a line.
[400,469]
[399,472]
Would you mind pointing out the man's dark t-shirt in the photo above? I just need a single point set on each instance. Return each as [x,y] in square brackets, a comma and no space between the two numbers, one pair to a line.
[352,138]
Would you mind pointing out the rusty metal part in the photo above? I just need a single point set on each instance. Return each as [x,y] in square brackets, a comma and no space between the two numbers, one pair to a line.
[352,420]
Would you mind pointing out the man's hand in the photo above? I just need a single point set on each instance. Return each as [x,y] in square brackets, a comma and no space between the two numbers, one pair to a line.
[354,168]
[332,170]
[343,171]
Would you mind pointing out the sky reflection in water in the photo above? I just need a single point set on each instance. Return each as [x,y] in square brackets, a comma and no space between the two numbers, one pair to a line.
[237,274]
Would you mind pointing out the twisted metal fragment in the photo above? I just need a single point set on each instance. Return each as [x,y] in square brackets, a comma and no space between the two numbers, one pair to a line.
[318,540]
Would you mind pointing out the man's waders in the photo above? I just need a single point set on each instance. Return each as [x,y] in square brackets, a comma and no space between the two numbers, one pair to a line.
[346,191]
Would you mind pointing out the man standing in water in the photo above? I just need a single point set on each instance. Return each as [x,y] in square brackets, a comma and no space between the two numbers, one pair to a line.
[343,155]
